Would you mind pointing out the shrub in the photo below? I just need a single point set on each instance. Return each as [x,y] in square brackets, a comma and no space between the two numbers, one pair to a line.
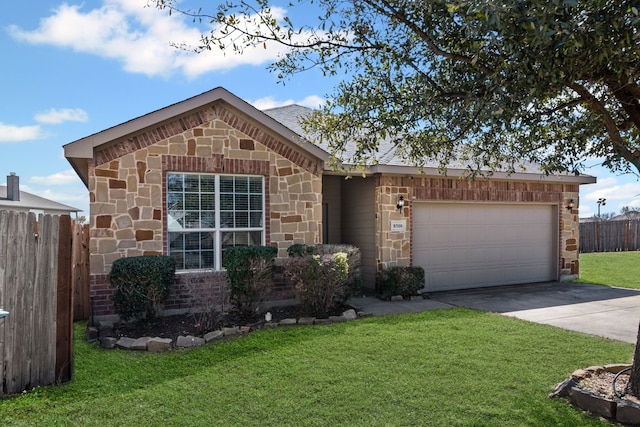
[319,280]
[141,285]
[249,275]
[353,281]
[405,281]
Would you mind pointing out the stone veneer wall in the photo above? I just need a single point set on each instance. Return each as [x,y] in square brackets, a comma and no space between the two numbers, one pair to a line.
[395,248]
[128,205]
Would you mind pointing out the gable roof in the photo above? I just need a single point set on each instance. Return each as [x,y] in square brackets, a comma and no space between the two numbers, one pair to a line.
[79,152]
[283,122]
[30,201]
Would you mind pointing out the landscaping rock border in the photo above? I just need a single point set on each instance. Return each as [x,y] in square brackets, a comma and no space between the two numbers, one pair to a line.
[104,333]
[620,410]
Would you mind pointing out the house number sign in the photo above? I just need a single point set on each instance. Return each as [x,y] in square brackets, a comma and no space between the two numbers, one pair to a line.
[398,225]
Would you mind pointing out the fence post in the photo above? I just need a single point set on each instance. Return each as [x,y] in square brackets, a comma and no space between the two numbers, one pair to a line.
[64,315]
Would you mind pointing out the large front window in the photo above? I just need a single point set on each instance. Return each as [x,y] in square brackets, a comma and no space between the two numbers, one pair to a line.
[207,213]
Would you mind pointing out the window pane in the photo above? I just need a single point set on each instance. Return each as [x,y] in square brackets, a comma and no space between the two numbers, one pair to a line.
[255,238]
[192,183]
[207,202]
[179,258]
[226,220]
[226,184]
[255,202]
[192,219]
[207,241]
[226,202]
[176,241]
[207,259]
[174,181]
[192,260]
[242,185]
[191,201]
[208,219]
[207,184]
[255,185]
[227,239]
[192,241]
[175,201]
[242,202]
[256,219]
[242,219]
[241,238]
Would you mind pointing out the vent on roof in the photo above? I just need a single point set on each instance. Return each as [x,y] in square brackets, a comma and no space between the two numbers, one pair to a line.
[13,187]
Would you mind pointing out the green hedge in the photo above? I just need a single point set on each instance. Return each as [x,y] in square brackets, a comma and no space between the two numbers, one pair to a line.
[353,283]
[141,285]
[405,281]
[249,275]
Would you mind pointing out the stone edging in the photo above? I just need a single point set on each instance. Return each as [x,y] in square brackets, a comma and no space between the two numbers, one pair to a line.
[105,331]
[620,410]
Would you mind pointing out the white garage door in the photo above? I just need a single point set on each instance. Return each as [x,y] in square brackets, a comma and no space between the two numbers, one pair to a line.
[464,245]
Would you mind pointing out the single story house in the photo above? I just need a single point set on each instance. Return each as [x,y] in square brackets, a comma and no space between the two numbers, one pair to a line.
[14,199]
[212,171]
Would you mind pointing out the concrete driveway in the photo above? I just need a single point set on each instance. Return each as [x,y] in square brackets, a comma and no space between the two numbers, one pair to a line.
[597,310]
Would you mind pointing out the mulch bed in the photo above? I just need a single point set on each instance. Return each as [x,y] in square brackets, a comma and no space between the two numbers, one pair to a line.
[198,324]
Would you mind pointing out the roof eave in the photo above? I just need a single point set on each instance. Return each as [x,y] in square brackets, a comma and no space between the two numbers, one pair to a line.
[516,176]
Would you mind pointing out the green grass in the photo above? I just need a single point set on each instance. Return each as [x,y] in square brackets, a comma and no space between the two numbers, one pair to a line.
[620,269]
[454,367]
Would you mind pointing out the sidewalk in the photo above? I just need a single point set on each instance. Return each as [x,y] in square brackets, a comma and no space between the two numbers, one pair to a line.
[592,309]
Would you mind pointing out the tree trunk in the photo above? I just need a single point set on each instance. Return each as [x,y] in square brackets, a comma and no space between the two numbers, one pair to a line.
[633,388]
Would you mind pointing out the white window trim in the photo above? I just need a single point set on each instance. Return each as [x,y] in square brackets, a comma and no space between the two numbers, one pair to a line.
[217,230]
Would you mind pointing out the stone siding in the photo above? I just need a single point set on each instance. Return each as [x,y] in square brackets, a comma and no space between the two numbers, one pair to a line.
[127,186]
[395,247]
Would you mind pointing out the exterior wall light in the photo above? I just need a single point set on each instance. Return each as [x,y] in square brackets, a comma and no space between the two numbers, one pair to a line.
[3,314]
[400,204]
[570,205]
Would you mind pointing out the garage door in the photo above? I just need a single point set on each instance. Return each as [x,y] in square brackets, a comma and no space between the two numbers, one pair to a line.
[463,245]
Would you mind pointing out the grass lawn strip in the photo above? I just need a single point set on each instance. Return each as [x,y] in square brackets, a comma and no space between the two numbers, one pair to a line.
[621,269]
[447,367]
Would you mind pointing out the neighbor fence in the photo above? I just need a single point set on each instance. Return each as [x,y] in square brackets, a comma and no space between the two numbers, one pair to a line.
[37,268]
[610,236]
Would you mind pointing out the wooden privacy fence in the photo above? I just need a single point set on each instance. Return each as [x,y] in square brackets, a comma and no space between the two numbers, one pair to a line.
[36,288]
[610,236]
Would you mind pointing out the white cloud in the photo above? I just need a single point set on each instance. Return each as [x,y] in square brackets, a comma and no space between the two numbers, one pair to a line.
[265,103]
[61,178]
[618,190]
[139,36]
[12,133]
[57,116]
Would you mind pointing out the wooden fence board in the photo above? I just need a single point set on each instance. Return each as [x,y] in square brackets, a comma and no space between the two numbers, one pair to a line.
[4,218]
[610,236]
[45,268]
[80,272]
[36,287]
[15,361]
[64,314]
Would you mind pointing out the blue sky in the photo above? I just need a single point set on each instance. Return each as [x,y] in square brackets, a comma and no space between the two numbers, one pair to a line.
[71,69]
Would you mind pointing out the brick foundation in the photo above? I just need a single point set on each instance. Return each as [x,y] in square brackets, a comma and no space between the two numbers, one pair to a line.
[193,292]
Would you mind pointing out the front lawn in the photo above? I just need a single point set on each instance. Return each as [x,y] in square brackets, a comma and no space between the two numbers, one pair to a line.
[620,269]
[449,367]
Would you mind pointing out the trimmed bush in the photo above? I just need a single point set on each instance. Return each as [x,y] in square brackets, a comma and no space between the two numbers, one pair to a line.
[141,285]
[353,281]
[249,275]
[405,281]
[320,280]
